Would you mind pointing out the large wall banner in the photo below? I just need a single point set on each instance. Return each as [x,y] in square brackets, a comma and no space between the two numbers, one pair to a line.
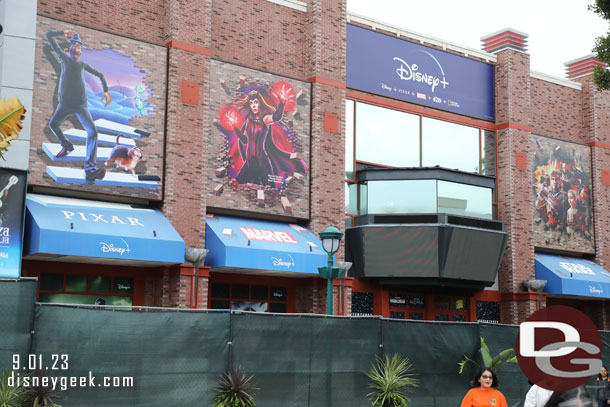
[12,208]
[561,180]
[99,112]
[259,154]
[400,69]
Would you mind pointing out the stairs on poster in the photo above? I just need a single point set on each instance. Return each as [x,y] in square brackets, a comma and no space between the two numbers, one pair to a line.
[119,178]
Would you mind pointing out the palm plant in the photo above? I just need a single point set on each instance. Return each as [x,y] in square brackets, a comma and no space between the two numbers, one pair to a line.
[39,395]
[494,363]
[10,396]
[235,389]
[11,115]
[391,380]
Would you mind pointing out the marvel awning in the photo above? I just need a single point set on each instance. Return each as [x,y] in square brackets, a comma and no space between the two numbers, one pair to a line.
[572,276]
[99,232]
[239,244]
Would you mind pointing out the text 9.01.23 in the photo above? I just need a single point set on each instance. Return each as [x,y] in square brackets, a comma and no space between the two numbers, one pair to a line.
[38,362]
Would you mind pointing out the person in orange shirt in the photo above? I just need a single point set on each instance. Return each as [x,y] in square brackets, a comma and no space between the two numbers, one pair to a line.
[484,395]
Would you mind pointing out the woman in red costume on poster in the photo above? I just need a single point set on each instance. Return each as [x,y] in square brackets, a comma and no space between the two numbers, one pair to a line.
[264,161]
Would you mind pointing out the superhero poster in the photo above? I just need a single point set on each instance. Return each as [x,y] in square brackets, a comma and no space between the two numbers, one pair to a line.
[260,135]
[99,112]
[12,207]
[563,217]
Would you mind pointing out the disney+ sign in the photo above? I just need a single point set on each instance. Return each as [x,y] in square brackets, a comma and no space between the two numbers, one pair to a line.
[392,67]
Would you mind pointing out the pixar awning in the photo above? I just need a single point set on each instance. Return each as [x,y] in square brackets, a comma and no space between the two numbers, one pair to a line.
[77,230]
[572,276]
[247,245]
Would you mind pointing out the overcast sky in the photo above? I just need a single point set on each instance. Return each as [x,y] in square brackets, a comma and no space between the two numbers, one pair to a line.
[559,30]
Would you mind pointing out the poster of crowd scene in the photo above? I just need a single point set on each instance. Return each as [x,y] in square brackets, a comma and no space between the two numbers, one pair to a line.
[259,141]
[563,216]
[99,103]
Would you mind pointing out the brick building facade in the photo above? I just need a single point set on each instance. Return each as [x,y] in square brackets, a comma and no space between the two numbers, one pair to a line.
[213,48]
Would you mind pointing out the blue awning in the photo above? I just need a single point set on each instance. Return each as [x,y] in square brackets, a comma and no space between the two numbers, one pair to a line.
[99,232]
[252,244]
[572,276]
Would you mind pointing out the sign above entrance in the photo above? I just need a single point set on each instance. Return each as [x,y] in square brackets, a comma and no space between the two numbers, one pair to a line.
[399,69]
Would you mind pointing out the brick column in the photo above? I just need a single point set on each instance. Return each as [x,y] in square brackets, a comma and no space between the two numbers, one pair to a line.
[326,63]
[597,124]
[515,195]
[188,35]
[170,286]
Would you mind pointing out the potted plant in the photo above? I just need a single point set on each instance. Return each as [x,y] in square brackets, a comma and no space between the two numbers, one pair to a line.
[235,389]
[391,380]
[39,395]
[10,396]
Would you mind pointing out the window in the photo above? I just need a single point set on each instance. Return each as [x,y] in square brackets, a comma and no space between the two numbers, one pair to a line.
[450,145]
[245,297]
[386,137]
[451,309]
[392,138]
[413,196]
[82,289]
[424,196]
[465,200]
[407,306]
[438,307]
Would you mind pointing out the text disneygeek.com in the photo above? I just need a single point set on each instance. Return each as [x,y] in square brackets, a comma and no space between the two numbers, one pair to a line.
[65,382]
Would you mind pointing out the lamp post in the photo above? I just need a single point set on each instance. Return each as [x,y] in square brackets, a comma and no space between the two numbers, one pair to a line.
[331,239]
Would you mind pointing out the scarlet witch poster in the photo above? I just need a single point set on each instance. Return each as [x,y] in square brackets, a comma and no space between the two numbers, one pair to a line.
[12,206]
[260,138]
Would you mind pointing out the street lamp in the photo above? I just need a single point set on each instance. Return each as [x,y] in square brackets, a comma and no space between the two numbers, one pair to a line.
[331,239]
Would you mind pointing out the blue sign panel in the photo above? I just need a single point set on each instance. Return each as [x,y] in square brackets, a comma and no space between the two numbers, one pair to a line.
[262,245]
[12,197]
[572,276]
[75,227]
[392,67]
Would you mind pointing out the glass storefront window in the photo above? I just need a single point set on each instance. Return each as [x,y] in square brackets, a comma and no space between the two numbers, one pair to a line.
[465,200]
[425,196]
[449,145]
[51,282]
[99,284]
[244,297]
[349,139]
[386,137]
[364,201]
[413,196]
[351,198]
[240,291]
[76,283]
[76,290]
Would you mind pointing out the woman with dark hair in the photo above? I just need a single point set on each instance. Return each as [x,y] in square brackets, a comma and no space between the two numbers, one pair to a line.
[603,388]
[577,397]
[485,394]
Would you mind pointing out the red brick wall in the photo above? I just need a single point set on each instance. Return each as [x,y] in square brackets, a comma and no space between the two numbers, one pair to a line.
[261,35]
[186,148]
[514,185]
[141,19]
[557,111]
